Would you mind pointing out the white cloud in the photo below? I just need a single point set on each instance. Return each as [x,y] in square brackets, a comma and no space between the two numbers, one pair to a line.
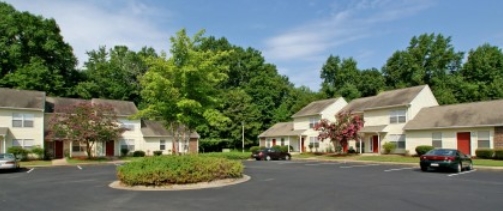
[86,25]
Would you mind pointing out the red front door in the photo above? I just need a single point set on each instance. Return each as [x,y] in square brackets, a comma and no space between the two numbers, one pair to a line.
[464,142]
[274,142]
[303,148]
[58,149]
[110,148]
[375,144]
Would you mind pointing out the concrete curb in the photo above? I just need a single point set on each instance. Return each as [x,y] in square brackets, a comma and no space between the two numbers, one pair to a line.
[176,187]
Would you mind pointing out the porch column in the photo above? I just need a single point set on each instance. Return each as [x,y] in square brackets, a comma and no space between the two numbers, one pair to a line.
[378,143]
[360,148]
[4,146]
[300,143]
[70,150]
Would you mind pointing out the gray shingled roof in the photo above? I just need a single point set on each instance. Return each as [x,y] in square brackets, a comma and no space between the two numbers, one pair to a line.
[315,107]
[397,97]
[281,129]
[486,113]
[372,129]
[53,102]
[4,130]
[152,128]
[122,108]
[13,98]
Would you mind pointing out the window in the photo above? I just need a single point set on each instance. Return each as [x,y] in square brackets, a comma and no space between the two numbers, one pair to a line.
[436,140]
[127,144]
[22,120]
[78,146]
[128,125]
[483,139]
[312,122]
[282,142]
[23,143]
[397,116]
[398,140]
[268,143]
[314,142]
[162,145]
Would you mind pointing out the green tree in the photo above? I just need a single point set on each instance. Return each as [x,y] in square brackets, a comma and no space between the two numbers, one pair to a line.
[114,74]
[483,74]
[340,78]
[85,122]
[429,59]
[183,88]
[371,82]
[33,54]
[344,129]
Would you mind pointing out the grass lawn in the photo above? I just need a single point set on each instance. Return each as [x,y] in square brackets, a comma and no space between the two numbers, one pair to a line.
[487,162]
[35,163]
[86,160]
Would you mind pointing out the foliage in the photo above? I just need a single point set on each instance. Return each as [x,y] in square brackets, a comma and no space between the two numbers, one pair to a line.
[213,145]
[351,150]
[157,153]
[340,78]
[484,153]
[228,155]
[124,152]
[498,154]
[34,55]
[85,122]
[345,128]
[40,152]
[138,153]
[389,147]
[254,149]
[423,149]
[18,152]
[167,170]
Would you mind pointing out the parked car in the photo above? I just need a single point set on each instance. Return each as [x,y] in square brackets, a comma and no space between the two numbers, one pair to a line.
[8,161]
[445,159]
[271,154]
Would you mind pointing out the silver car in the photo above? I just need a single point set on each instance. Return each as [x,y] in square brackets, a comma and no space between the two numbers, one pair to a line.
[8,161]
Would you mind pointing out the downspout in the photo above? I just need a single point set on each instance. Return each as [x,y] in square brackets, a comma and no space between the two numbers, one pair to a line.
[288,145]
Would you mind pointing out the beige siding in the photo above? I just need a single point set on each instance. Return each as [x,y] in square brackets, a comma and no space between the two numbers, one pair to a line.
[35,133]
[302,123]
[330,111]
[424,99]
[153,144]
[134,134]
[449,138]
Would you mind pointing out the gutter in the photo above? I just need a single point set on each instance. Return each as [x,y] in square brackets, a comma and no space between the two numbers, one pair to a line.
[451,127]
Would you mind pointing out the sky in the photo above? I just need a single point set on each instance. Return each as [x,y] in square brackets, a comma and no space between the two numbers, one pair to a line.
[295,35]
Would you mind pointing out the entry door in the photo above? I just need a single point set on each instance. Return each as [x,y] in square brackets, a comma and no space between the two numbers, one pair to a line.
[110,148]
[464,142]
[58,149]
[303,148]
[375,144]
[274,142]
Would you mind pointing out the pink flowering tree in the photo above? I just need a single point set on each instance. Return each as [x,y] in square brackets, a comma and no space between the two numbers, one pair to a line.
[85,122]
[345,128]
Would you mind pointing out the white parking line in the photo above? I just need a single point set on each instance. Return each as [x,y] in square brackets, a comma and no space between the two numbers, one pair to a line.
[292,162]
[319,164]
[30,170]
[79,167]
[464,172]
[388,170]
[358,166]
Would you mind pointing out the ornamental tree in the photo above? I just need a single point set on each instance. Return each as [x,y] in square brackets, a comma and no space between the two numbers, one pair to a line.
[85,122]
[345,128]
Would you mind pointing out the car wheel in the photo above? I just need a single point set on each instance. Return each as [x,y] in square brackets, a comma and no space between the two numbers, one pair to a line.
[257,159]
[470,167]
[459,168]
[424,168]
[287,157]
[268,158]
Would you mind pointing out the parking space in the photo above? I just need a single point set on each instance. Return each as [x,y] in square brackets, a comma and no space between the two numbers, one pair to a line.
[292,185]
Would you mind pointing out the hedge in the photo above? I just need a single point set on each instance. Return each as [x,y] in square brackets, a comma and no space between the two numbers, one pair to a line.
[498,154]
[484,153]
[228,155]
[423,149]
[169,170]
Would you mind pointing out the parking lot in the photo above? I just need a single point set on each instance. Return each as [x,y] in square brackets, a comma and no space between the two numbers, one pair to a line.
[278,185]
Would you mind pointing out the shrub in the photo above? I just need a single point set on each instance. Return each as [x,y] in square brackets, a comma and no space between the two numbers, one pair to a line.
[338,148]
[138,153]
[124,152]
[213,145]
[276,147]
[167,170]
[39,152]
[228,155]
[18,152]
[484,153]
[157,153]
[389,147]
[498,154]
[351,150]
[254,149]
[422,149]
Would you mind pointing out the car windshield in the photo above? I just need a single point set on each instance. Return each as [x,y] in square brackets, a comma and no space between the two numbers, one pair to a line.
[441,152]
[6,155]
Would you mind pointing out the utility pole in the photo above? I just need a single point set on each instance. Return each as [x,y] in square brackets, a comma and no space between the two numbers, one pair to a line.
[243,137]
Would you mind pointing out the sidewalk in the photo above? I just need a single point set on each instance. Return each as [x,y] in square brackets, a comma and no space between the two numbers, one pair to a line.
[59,162]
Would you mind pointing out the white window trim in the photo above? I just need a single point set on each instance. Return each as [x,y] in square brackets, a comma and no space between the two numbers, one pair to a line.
[433,138]
[162,142]
[313,121]
[23,143]
[82,146]
[488,138]
[394,114]
[129,143]
[396,140]
[23,117]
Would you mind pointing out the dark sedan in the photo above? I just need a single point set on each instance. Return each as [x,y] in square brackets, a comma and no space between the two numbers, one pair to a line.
[271,154]
[445,159]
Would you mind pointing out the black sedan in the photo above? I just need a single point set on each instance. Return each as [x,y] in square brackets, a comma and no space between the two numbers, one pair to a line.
[271,154]
[445,159]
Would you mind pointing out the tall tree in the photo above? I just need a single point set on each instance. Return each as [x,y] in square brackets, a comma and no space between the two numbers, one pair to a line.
[183,88]
[34,55]
[429,59]
[114,74]
[86,123]
[483,73]
[340,132]
[371,82]
[340,78]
